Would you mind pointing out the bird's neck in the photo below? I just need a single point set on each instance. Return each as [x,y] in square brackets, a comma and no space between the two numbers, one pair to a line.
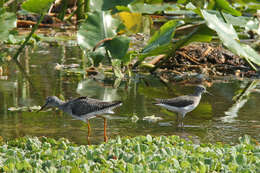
[197,94]
[59,104]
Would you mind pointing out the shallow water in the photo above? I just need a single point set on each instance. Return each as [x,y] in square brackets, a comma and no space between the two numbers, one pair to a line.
[217,118]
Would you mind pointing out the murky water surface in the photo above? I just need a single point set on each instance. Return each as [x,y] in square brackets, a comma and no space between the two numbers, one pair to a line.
[233,111]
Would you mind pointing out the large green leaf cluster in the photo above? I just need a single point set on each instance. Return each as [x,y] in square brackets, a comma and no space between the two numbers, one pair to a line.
[217,16]
[7,22]
[139,154]
[105,31]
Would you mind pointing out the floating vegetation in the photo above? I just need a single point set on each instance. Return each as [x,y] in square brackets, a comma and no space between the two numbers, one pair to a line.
[24,108]
[139,154]
[134,118]
[152,119]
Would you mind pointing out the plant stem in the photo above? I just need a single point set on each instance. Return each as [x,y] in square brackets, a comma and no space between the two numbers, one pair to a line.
[86,8]
[223,17]
[108,56]
[63,10]
[80,10]
[163,61]
[1,3]
[27,38]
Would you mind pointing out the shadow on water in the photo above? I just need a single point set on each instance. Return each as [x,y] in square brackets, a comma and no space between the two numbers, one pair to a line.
[230,113]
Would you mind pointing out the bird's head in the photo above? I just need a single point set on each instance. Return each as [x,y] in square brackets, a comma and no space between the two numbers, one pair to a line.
[200,89]
[51,101]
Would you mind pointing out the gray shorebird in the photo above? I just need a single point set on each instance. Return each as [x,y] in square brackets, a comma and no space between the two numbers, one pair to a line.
[83,108]
[183,104]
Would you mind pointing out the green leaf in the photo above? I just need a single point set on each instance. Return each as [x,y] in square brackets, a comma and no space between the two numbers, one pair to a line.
[249,53]
[98,26]
[96,5]
[153,1]
[162,37]
[118,46]
[113,3]
[229,37]
[240,21]
[200,34]
[149,138]
[151,8]
[108,4]
[37,6]
[220,27]
[226,7]
[160,42]
[181,1]
[163,49]
[137,154]
[241,159]
[97,56]
[7,22]
[75,169]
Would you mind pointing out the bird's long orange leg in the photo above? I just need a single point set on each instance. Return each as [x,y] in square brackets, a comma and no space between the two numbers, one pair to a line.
[105,129]
[89,130]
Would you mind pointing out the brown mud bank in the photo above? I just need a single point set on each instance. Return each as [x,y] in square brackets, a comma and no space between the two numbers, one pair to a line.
[206,59]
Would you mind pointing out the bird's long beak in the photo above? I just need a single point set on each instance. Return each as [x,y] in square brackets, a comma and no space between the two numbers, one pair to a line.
[42,107]
[209,93]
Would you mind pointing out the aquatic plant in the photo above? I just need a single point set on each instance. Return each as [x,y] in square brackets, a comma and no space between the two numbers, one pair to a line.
[105,32]
[206,23]
[138,154]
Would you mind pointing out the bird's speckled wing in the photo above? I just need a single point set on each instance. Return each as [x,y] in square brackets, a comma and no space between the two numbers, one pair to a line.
[85,105]
[181,101]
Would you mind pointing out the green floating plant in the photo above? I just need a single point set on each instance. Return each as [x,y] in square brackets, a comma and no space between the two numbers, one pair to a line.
[138,154]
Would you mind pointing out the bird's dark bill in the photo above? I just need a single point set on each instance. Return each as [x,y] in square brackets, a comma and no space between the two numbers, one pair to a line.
[209,93]
[42,107]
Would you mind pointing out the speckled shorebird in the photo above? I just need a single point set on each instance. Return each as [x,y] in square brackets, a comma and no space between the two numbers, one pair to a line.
[83,108]
[183,104]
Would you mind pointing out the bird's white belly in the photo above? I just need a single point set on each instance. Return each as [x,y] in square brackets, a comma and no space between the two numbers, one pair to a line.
[182,110]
